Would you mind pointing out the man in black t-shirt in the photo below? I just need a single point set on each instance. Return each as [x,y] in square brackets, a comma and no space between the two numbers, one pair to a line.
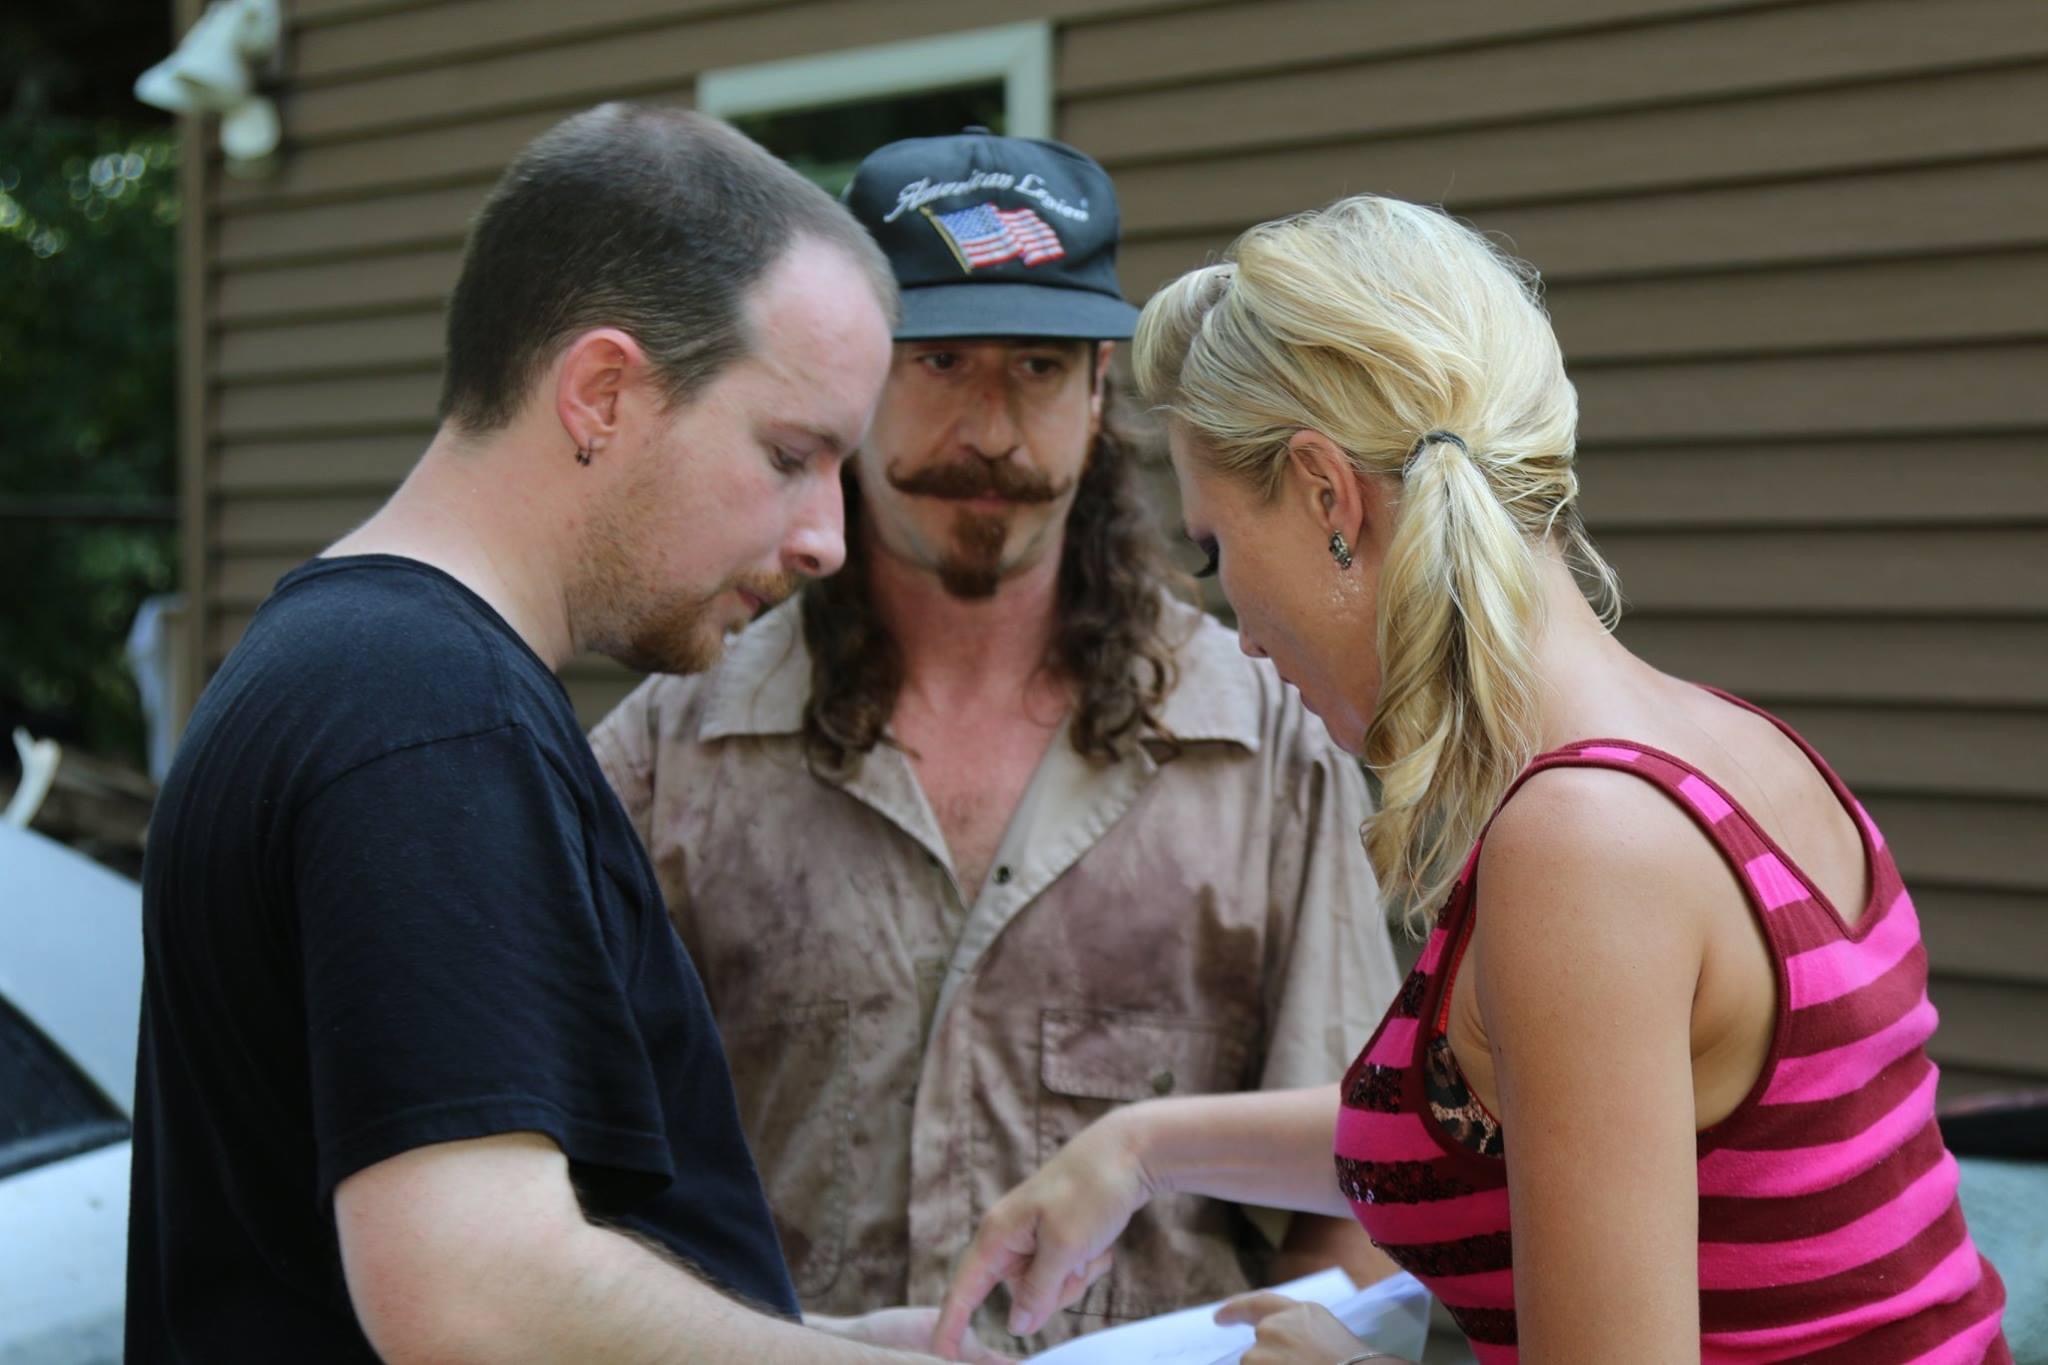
[425,1073]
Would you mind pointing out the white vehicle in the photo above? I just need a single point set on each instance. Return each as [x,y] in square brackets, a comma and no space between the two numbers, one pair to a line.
[70,994]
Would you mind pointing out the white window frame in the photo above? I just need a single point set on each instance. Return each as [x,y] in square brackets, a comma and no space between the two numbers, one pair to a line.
[1019,55]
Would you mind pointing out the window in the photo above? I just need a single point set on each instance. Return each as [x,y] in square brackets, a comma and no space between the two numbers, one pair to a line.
[48,1109]
[824,114]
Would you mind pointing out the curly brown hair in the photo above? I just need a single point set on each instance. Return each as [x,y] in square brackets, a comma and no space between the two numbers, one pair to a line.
[1110,639]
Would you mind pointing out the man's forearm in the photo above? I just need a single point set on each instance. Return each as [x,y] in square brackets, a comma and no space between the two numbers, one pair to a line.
[631,1303]
[600,1295]
[479,1250]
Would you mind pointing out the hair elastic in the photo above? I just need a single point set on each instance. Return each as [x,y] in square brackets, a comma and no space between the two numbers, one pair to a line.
[1429,440]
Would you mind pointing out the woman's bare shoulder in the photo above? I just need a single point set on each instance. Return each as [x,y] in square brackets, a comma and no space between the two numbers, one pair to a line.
[1583,853]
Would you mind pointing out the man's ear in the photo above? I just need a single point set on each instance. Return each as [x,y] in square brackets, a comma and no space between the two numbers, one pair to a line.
[1330,485]
[1098,387]
[592,382]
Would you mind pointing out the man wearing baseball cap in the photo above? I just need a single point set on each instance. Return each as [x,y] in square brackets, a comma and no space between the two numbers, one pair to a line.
[990,834]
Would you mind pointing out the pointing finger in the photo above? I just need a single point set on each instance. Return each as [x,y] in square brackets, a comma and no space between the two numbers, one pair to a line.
[980,1271]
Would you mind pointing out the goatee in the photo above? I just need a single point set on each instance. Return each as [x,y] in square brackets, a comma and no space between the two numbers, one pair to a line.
[973,567]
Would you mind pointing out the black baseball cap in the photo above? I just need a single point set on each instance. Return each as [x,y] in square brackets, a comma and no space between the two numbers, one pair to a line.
[995,237]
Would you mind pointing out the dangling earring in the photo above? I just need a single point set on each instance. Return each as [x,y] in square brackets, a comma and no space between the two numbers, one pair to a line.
[582,455]
[1340,550]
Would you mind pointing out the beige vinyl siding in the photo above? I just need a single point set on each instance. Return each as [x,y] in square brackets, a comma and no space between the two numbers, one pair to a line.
[1797,254]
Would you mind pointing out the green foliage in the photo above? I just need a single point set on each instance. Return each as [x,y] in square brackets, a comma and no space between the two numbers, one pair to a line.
[88,360]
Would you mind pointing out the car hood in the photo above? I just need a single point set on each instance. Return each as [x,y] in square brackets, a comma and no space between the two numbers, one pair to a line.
[71,955]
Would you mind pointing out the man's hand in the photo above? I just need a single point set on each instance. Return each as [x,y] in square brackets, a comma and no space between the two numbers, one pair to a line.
[904,1329]
[1049,1238]
[1292,1332]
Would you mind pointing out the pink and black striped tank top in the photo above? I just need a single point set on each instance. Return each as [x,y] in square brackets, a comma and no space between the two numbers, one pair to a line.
[1828,1222]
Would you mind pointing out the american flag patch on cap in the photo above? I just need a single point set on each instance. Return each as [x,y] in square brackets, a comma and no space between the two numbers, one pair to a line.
[986,235]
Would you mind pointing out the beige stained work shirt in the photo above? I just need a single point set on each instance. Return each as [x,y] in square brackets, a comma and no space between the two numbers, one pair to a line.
[904,1055]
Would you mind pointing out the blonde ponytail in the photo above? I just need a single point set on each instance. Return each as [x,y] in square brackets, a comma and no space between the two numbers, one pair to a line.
[1424,352]
[1458,600]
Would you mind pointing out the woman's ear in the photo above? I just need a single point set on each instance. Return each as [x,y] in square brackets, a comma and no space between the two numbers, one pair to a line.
[1333,488]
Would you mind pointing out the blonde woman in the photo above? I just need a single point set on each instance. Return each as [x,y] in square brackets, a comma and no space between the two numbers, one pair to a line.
[1671,1009]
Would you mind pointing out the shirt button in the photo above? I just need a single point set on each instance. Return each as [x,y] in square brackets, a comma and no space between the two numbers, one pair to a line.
[1162,1083]
[1003,874]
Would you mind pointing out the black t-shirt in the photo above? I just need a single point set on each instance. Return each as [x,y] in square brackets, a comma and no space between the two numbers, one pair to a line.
[390,900]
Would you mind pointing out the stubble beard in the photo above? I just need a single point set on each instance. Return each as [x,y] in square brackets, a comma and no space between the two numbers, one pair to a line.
[613,610]
[622,620]
[670,633]
[676,637]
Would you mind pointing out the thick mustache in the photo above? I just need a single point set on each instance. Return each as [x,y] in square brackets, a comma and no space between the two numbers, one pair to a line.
[976,478]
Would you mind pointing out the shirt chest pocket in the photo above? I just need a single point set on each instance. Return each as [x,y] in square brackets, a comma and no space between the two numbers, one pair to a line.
[1090,1061]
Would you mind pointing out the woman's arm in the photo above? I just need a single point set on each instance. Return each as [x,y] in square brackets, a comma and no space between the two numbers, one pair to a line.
[1586,951]
[1049,1238]
[1271,1148]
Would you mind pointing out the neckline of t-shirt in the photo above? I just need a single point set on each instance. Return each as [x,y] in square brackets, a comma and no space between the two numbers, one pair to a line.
[314,567]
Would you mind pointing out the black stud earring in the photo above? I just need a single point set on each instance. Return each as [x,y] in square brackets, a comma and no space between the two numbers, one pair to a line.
[582,455]
[1339,550]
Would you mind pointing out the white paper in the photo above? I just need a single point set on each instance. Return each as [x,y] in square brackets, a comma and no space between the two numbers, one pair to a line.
[1393,1314]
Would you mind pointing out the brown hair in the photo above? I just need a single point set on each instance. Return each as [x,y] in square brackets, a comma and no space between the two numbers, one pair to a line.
[1110,640]
[656,221]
